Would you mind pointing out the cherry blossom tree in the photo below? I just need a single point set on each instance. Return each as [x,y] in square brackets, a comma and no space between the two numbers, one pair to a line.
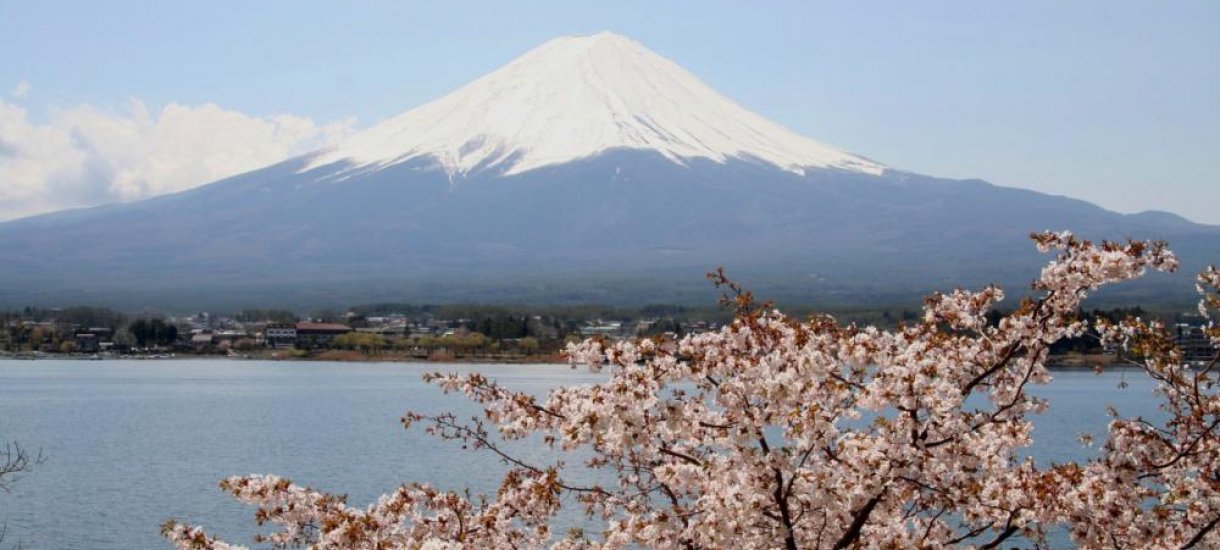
[774,432]
[15,459]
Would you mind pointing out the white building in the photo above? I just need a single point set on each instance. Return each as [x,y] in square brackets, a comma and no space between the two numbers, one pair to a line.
[280,335]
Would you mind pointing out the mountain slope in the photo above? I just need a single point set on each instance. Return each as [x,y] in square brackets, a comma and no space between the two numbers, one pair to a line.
[588,170]
[575,97]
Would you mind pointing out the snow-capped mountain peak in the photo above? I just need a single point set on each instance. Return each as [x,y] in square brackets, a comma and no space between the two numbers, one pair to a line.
[574,97]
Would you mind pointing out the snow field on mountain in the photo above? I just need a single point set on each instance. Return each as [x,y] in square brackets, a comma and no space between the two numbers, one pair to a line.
[575,97]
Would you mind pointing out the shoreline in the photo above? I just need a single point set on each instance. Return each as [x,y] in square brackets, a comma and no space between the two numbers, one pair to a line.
[325,357]
[1055,363]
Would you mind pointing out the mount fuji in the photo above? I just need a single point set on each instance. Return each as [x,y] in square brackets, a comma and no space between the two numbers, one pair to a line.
[589,169]
[573,98]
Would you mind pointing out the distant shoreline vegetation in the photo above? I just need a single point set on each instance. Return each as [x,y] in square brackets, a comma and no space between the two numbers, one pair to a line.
[395,332]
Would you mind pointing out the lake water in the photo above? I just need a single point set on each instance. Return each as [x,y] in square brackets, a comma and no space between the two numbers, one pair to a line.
[133,443]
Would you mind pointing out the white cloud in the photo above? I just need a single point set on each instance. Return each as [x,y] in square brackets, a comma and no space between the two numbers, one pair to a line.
[84,156]
[22,90]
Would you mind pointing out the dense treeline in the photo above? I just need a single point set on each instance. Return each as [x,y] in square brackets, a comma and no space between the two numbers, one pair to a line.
[1090,341]
[56,330]
[501,326]
[153,332]
[81,316]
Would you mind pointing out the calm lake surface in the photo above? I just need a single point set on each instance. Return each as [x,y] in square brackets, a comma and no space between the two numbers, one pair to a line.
[130,444]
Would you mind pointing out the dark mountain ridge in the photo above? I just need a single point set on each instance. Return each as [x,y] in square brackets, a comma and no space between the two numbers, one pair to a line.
[625,226]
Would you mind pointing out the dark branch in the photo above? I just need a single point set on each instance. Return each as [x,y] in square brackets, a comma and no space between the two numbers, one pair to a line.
[859,519]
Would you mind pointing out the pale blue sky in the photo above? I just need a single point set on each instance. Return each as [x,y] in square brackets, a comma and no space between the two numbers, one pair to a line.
[1114,102]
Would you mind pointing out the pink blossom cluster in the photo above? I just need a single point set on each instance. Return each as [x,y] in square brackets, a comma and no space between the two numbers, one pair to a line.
[775,432]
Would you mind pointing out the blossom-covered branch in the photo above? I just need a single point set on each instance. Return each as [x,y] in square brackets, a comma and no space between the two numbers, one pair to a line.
[775,432]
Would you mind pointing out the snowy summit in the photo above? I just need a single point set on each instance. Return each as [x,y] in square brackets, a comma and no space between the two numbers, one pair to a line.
[575,97]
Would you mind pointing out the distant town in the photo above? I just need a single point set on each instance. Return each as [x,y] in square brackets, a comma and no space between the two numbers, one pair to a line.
[381,332]
[390,332]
